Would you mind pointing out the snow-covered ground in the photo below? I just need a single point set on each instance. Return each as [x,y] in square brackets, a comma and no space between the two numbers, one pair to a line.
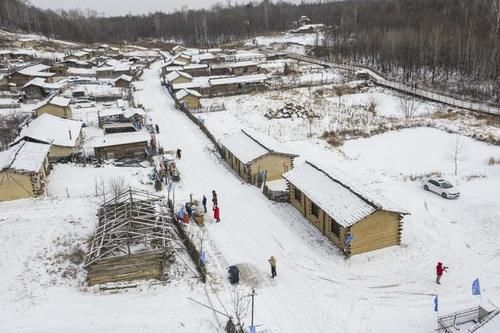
[316,290]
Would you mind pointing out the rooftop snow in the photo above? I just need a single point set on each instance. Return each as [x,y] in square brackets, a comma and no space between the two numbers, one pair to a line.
[60,101]
[125,77]
[36,70]
[243,64]
[184,92]
[175,74]
[53,130]
[248,146]
[24,156]
[120,139]
[239,79]
[187,85]
[334,192]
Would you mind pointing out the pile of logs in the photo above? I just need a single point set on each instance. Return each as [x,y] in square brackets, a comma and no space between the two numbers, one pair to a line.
[139,266]
[291,110]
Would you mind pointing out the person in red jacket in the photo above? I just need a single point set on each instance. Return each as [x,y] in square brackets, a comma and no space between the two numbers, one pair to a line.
[216,213]
[440,269]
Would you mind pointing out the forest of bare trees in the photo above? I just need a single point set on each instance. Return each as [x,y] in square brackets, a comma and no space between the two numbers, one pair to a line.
[433,42]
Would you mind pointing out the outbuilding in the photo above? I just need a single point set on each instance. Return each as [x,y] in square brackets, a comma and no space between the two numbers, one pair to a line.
[119,145]
[256,157]
[63,135]
[24,168]
[55,105]
[189,97]
[123,81]
[344,210]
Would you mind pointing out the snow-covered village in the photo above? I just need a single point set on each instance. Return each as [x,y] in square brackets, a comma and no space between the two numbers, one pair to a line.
[259,167]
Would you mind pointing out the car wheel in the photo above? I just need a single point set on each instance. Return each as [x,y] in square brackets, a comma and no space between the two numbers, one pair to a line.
[444,195]
[426,187]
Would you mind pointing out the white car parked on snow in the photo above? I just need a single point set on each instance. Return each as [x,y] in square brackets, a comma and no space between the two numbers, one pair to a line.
[442,187]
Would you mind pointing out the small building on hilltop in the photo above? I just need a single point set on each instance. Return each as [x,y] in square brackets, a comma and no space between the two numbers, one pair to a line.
[345,213]
[55,105]
[24,168]
[256,157]
[189,97]
[63,135]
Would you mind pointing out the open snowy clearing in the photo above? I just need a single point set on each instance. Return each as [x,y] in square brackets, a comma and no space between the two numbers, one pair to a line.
[316,290]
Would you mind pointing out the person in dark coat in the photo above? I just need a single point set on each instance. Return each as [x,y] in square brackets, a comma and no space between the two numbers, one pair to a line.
[214,198]
[216,214]
[272,262]
[188,209]
[204,203]
[178,153]
[157,128]
[440,269]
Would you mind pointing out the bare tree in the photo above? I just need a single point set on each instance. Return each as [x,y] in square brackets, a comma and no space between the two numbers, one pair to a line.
[10,125]
[372,105]
[339,90]
[408,106]
[241,306]
[457,152]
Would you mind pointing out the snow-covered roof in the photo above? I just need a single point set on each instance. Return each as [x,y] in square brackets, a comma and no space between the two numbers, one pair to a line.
[243,64]
[60,101]
[24,156]
[120,139]
[248,146]
[53,130]
[133,111]
[40,82]
[105,69]
[239,79]
[124,77]
[185,92]
[82,71]
[187,85]
[195,66]
[175,74]
[336,193]
[36,70]
[78,54]
[110,112]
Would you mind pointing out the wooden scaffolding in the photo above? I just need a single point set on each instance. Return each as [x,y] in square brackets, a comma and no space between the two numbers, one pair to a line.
[134,236]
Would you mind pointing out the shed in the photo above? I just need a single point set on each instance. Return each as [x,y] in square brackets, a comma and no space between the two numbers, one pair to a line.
[64,136]
[123,81]
[24,168]
[178,77]
[196,69]
[256,157]
[343,210]
[189,97]
[237,85]
[122,145]
[54,105]
[23,76]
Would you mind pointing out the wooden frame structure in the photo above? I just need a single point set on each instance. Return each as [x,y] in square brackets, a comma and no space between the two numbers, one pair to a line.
[134,236]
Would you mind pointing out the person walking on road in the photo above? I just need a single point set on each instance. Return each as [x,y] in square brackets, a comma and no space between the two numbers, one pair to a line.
[214,198]
[216,214]
[272,262]
[178,153]
[440,269]
[204,203]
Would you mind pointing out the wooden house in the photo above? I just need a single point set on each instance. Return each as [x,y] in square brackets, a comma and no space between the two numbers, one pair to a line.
[122,145]
[256,157]
[345,212]
[177,77]
[56,106]
[178,49]
[78,55]
[196,69]
[243,68]
[220,69]
[189,97]
[23,76]
[123,81]
[63,135]
[137,117]
[38,88]
[24,168]
[237,84]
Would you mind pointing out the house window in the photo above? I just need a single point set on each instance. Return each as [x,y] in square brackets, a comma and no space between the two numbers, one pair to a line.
[314,209]
[297,195]
[335,227]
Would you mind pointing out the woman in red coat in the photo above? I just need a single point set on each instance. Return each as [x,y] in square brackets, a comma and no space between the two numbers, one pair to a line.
[216,213]
[440,269]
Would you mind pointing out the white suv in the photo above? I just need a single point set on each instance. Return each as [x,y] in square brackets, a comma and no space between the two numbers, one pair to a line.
[442,187]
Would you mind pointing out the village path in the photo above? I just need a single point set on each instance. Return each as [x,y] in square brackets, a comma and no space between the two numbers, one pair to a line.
[250,230]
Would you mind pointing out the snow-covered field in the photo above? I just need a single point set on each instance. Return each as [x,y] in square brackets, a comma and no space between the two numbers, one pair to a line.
[316,290]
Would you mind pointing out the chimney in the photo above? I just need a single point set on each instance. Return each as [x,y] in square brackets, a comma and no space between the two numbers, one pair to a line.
[69,131]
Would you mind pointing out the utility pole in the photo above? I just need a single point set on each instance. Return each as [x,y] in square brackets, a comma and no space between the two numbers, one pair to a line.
[253,294]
